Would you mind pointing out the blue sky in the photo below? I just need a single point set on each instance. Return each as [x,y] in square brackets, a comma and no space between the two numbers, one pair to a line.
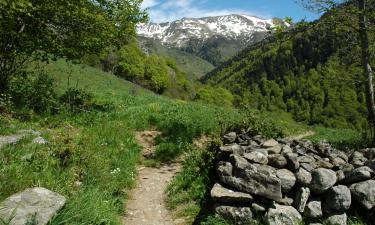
[168,10]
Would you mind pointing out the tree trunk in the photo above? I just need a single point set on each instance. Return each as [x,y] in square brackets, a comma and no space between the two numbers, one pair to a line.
[367,70]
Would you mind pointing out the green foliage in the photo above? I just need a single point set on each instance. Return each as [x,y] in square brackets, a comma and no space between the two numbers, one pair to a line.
[33,91]
[216,96]
[32,28]
[213,220]
[309,72]
[76,99]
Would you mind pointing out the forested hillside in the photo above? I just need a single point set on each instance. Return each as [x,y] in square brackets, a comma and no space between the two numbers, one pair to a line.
[312,72]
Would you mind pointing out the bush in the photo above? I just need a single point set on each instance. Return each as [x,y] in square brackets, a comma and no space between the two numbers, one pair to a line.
[77,100]
[6,104]
[33,91]
[216,96]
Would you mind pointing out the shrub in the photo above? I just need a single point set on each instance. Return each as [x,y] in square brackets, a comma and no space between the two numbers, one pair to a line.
[34,91]
[6,104]
[76,99]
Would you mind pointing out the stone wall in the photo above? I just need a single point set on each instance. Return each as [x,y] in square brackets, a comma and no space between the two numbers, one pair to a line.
[285,181]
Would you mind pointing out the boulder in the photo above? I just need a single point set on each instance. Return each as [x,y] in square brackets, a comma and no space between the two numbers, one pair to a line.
[270,143]
[34,204]
[324,164]
[337,219]
[256,157]
[225,195]
[227,150]
[302,196]
[339,198]
[237,215]
[364,193]
[322,180]
[283,215]
[313,209]
[357,175]
[277,161]
[303,177]
[306,159]
[287,178]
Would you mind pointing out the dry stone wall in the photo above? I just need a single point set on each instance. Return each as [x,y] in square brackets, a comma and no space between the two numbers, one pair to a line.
[286,181]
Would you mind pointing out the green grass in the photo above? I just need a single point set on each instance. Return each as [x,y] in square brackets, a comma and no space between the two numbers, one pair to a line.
[340,138]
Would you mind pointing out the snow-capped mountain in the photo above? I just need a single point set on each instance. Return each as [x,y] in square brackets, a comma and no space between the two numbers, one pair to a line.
[178,33]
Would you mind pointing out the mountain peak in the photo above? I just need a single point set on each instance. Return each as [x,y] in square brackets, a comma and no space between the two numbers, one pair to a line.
[177,33]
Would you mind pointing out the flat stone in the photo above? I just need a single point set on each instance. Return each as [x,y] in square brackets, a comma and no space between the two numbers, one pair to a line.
[283,215]
[37,204]
[237,215]
[302,196]
[364,193]
[227,150]
[256,157]
[270,143]
[339,198]
[225,195]
[322,180]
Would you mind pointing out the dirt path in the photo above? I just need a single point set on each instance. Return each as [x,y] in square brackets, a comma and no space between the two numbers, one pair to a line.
[146,205]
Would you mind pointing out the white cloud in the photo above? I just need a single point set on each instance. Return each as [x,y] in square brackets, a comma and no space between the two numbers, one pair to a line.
[170,10]
[149,3]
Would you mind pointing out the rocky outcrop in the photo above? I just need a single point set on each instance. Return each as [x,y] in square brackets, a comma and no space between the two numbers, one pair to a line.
[285,181]
[32,206]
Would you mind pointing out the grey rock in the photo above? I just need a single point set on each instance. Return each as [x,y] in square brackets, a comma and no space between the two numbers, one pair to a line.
[256,181]
[306,159]
[237,215]
[225,195]
[303,177]
[283,215]
[357,175]
[337,219]
[239,163]
[286,149]
[287,178]
[324,164]
[277,161]
[274,150]
[313,209]
[230,137]
[270,143]
[256,157]
[339,198]
[286,201]
[340,176]
[309,167]
[322,180]
[292,160]
[38,204]
[227,150]
[338,162]
[364,193]
[258,207]
[224,169]
[347,168]
[302,196]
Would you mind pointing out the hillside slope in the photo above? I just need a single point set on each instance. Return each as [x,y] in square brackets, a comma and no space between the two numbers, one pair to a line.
[311,72]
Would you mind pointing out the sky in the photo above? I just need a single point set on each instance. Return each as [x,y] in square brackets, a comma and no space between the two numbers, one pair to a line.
[169,10]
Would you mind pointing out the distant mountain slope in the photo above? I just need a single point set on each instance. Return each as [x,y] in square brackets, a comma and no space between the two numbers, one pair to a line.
[312,73]
[214,39]
[194,66]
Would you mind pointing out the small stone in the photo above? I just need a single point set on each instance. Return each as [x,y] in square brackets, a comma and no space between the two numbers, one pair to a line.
[338,162]
[277,161]
[292,160]
[340,176]
[227,150]
[256,157]
[324,164]
[306,159]
[283,215]
[339,198]
[287,178]
[225,195]
[270,143]
[337,219]
[308,167]
[313,209]
[286,149]
[230,137]
[303,177]
[301,199]
[322,180]
[257,207]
